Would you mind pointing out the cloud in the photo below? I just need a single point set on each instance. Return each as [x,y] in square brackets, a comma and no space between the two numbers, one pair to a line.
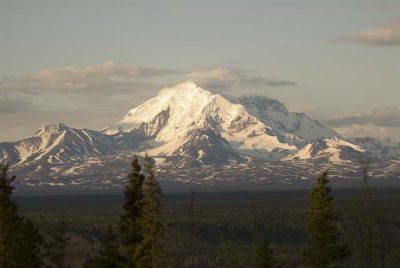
[380,7]
[15,105]
[106,80]
[74,75]
[375,37]
[370,130]
[224,78]
[91,96]
[280,83]
[5,80]
[110,79]
[386,35]
[389,117]
[97,95]
[384,123]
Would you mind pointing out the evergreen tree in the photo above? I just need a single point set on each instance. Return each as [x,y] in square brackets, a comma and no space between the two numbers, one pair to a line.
[130,225]
[324,248]
[265,257]
[192,228]
[109,255]
[139,244]
[366,230]
[20,242]
[150,246]
[56,245]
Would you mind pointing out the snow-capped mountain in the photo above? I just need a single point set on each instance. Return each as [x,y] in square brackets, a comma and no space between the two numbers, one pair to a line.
[334,150]
[57,142]
[293,125]
[378,149]
[197,132]
[205,146]
[180,116]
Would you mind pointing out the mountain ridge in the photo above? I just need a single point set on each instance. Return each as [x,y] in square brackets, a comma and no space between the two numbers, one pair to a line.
[185,127]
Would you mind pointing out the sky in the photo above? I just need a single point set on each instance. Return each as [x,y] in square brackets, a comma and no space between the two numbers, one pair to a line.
[86,63]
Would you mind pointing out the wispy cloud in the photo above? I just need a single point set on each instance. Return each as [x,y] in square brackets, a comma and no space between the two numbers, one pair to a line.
[16,105]
[370,130]
[225,78]
[90,96]
[384,123]
[110,81]
[75,75]
[380,6]
[389,117]
[386,35]
[96,95]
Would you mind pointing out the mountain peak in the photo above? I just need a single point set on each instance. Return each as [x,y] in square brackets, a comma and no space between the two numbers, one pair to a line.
[187,125]
[184,101]
[275,114]
[262,103]
[185,85]
[51,128]
[188,88]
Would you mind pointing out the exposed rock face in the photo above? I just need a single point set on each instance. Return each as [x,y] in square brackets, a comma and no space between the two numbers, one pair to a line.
[186,126]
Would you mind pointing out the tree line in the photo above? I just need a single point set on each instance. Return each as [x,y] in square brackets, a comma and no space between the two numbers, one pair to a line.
[137,241]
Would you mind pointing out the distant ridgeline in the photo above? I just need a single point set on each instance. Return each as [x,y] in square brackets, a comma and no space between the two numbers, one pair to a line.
[200,138]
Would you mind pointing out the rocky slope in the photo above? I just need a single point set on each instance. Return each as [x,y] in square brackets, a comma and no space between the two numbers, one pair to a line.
[194,131]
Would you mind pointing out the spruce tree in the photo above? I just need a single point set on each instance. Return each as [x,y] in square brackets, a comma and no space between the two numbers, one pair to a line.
[324,248]
[366,229]
[150,246]
[108,255]
[192,228]
[130,225]
[265,257]
[20,242]
[56,245]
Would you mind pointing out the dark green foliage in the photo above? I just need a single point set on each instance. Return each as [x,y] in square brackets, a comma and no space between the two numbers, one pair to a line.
[223,235]
[139,240]
[20,242]
[367,229]
[324,248]
[56,245]
[130,227]
[140,229]
[192,228]
[151,244]
[109,255]
[265,257]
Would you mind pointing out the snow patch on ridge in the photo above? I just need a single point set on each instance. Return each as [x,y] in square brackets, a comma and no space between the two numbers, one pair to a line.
[191,107]
[334,150]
